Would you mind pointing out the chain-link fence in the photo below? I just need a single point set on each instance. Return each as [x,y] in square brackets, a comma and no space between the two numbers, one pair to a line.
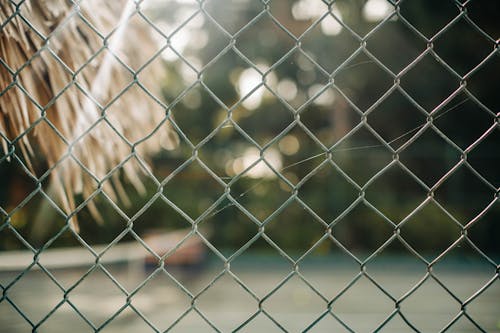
[260,165]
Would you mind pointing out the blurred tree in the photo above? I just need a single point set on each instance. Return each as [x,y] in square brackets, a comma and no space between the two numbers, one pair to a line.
[295,80]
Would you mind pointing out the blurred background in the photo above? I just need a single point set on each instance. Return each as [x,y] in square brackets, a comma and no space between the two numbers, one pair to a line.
[298,80]
[329,115]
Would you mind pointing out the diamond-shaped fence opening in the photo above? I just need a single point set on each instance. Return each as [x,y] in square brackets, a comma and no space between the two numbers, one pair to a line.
[444,310]
[264,165]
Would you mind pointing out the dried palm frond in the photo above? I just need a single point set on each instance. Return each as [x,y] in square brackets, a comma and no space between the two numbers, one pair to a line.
[67,98]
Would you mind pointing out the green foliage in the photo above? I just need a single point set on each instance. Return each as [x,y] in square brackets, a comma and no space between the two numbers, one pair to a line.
[327,190]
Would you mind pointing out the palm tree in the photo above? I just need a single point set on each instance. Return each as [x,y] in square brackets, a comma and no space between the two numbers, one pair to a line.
[73,96]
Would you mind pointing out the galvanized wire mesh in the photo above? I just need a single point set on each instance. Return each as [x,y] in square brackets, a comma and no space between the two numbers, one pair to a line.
[229,198]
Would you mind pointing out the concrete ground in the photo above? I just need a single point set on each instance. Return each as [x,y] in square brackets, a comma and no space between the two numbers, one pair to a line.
[226,305]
